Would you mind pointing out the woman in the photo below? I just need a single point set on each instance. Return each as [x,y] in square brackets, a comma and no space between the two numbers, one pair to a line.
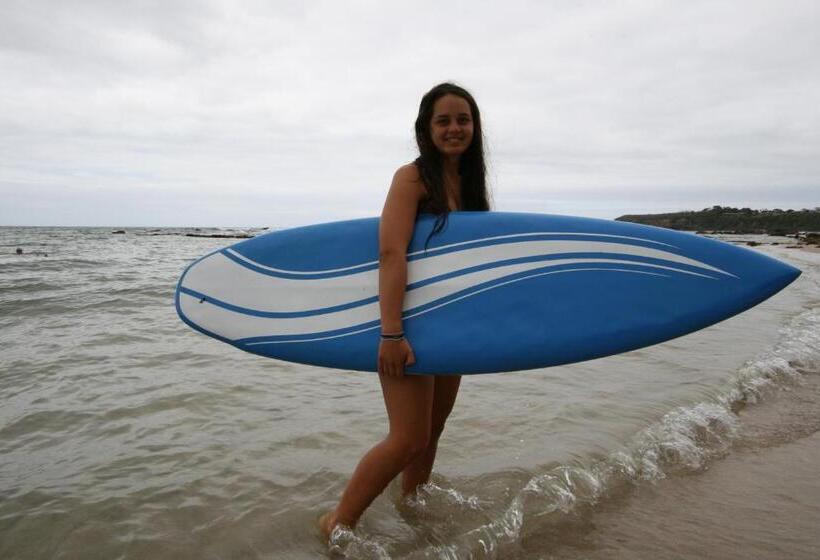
[448,175]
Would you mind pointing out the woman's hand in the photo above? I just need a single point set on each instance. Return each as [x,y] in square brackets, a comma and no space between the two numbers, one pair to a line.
[394,355]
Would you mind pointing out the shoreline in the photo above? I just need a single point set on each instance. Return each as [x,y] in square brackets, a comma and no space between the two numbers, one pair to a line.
[794,245]
[807,248]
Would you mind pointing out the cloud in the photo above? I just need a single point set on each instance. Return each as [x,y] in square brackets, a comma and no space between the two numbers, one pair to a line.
[307,108]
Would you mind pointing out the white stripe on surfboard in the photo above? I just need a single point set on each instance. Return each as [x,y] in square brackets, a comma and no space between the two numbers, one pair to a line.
[435,250]
[235,325]
[448,302]
[222,278]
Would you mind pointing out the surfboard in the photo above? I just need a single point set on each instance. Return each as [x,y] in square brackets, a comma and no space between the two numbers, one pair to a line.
[493,292]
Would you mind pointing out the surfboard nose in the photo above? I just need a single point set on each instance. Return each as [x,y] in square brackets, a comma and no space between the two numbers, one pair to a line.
[787,274]
[768,275]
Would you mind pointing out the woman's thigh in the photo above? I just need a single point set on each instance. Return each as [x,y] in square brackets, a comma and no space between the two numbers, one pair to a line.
[409,403]
[444,396]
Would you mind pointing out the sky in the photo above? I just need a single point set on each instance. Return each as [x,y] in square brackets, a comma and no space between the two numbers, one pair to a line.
[279,114]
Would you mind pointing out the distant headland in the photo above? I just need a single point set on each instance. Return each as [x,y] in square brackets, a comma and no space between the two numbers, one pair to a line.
[724,219]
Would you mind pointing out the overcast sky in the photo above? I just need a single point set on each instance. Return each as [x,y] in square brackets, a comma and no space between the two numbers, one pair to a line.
[286,113]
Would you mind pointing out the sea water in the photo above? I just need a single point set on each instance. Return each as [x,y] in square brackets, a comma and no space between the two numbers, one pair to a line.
[125,434]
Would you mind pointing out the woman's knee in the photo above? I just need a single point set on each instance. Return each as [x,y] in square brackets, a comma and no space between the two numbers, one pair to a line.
[410,446]
[435,433]
[438,423]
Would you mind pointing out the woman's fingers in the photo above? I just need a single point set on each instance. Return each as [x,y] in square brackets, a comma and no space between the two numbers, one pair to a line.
[398,370]
[409,356]
[392,359]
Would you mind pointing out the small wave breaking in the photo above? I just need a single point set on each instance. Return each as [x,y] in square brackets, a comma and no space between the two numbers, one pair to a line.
[684,441]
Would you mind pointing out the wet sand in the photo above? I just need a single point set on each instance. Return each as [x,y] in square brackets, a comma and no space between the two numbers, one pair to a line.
[761,504]
[760,501]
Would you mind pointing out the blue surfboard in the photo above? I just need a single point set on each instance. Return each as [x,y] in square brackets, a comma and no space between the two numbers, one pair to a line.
[493,292]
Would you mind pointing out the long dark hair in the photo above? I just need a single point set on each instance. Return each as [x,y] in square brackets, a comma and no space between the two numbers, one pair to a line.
[471,166]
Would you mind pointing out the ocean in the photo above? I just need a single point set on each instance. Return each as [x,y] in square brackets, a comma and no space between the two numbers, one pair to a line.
[125,434]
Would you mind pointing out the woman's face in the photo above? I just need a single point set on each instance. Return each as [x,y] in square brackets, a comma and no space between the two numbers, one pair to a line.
[452,125]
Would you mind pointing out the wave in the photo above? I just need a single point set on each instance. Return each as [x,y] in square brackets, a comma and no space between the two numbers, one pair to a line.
[686,440]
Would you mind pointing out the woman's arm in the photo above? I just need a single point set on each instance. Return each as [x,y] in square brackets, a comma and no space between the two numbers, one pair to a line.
[395,231]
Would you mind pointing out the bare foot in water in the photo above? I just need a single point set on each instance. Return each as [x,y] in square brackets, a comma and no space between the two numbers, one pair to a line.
[326,524]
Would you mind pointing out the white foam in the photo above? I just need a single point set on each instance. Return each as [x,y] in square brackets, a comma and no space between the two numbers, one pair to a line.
[345,542]
[684,440]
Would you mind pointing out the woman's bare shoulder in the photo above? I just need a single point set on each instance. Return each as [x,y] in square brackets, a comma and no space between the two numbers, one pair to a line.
[407,177]
[408,172]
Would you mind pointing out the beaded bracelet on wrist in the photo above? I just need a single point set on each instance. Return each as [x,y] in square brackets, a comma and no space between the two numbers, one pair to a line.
[394,337]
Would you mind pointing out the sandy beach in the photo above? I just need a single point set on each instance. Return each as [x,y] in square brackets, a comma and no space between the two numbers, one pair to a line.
[760,501]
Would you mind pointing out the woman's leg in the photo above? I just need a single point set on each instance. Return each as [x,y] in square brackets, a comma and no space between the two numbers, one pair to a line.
[409,403]
[444,396]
